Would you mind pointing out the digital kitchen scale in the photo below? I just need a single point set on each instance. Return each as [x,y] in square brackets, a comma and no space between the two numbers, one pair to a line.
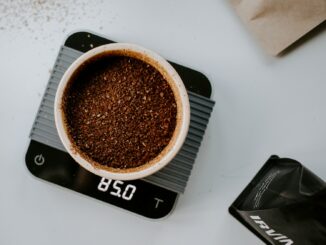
[153,197]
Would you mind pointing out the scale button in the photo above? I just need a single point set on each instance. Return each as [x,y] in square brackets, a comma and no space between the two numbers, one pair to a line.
[157,202]
[39,160]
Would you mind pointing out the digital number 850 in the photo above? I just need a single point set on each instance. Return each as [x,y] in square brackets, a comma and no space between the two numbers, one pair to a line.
[118,190]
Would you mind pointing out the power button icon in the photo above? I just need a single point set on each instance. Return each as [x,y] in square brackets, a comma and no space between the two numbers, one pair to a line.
[39,160]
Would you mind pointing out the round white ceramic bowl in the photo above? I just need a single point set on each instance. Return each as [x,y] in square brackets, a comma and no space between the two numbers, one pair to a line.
[183,113]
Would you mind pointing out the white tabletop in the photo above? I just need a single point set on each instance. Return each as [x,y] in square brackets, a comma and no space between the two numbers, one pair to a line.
[264,106]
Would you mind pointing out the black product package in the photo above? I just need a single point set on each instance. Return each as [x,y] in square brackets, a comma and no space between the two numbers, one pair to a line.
[285,203]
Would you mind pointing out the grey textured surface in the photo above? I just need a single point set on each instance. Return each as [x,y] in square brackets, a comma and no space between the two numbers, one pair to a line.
[175,175]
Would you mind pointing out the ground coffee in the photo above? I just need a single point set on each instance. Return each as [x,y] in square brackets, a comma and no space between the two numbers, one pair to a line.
[119,111]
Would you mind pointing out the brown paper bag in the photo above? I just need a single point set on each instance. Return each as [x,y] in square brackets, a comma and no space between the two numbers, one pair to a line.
[279,23]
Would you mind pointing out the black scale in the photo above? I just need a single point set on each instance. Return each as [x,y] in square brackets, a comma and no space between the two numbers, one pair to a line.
[153,197]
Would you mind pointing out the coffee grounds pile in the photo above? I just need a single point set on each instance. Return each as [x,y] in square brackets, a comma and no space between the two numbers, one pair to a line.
[120,111]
